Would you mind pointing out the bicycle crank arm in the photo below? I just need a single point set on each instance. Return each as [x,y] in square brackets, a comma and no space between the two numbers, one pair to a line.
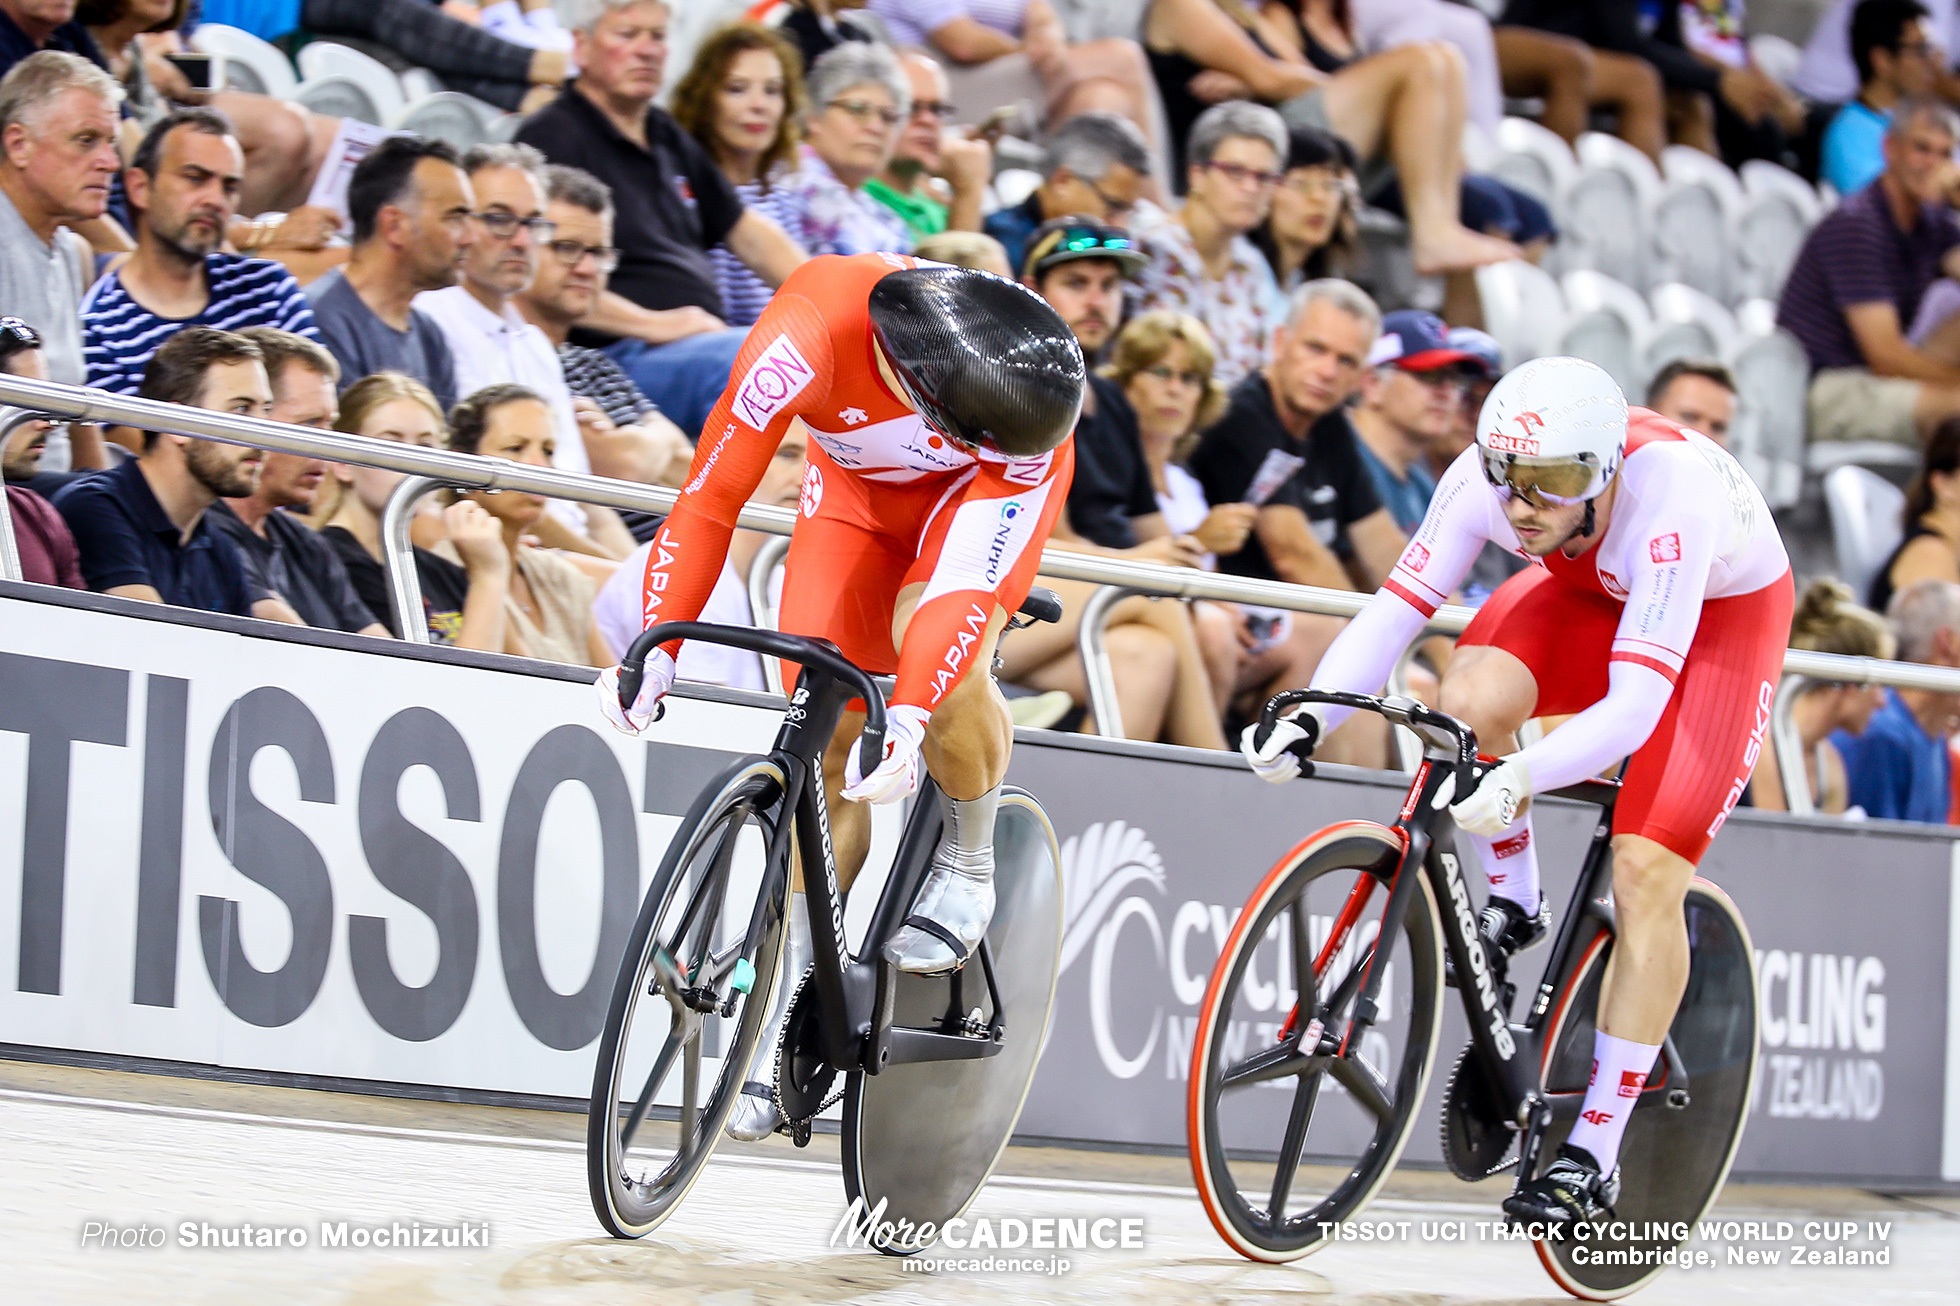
[908,1046]
[1535,1115]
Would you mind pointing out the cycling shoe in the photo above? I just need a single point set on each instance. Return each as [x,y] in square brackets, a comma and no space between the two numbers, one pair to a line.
[1572,1192]
[949,916]
[1506,931]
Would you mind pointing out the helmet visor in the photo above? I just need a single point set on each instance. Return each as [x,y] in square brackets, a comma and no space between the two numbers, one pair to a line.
[1557,481]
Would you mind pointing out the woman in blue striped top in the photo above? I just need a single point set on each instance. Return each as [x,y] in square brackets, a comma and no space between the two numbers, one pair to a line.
[743,100]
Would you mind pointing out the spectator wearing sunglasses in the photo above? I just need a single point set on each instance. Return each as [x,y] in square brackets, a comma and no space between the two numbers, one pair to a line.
[183,188]
[626,436]
[1201,261]
[47,551]
[489,338]
[1097,164]
[935,179]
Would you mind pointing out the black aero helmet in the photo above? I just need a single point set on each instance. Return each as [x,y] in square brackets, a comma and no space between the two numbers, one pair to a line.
[985,361]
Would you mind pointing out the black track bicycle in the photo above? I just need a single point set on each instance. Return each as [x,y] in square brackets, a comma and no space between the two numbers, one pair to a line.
[1319,1027]
[934,1069]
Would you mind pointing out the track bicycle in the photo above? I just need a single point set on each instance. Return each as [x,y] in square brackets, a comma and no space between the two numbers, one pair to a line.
[935,1068]
[1319,1028]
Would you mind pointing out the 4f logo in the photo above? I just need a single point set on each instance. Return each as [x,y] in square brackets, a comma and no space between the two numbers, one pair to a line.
[1595,1116]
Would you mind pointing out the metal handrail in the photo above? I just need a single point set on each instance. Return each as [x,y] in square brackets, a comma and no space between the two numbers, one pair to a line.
[67,403]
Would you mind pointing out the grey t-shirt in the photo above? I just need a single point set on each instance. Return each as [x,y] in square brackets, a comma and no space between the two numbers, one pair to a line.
[365,344]
[42,285]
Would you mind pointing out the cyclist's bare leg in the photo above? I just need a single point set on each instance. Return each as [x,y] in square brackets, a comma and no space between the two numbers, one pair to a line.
[1648,970]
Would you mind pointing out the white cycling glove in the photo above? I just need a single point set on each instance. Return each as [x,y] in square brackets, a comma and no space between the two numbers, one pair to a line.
[1277,761]
[659,679]
[898,773]
[1492,807]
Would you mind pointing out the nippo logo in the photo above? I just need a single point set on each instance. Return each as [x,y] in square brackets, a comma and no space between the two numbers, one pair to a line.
[1665,548]
[775,378]
[811,494]
[1416,558]
[1524,442]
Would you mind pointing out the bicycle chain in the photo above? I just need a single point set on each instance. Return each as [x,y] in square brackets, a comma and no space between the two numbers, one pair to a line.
[797,1128]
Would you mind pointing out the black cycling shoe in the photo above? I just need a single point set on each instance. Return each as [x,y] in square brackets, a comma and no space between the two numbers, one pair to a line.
[1507,931]
[1571,1192]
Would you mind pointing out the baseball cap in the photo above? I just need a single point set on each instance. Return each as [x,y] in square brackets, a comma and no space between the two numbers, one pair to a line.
[1064,240]
[1486,354]
[1417,341]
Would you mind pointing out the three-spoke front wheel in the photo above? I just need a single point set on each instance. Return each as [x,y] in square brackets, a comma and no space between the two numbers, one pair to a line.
[688,1006]
[1292,1127]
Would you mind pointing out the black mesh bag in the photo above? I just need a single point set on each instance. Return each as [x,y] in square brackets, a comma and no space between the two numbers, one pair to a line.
[984,360]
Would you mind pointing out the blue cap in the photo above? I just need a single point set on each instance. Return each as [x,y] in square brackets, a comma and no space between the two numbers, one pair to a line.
[1486,354]
[1415,341]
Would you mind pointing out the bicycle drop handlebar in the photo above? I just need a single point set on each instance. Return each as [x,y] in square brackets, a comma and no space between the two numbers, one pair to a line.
[799,649]
[1425,721]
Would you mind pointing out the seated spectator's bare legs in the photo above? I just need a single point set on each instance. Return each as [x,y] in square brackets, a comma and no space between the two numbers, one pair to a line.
[1411,99]
[1217,627]
[1362,740]
[1555,69]
[1632,88]
[1691,121]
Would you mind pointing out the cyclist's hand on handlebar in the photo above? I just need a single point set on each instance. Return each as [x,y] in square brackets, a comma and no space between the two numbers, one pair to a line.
[1278,756]
[1492,807]
[897,774]
[646,708]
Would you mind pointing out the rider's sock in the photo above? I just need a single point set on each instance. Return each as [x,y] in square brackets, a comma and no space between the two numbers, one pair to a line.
[1510,863]
[1620,1069]
[969,841]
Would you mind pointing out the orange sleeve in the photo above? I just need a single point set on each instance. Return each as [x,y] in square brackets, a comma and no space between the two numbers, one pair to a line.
[988,557]
[784,369]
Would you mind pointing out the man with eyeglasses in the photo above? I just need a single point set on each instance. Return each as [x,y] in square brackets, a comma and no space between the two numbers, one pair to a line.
[1409,400]
[412,213]
[661,320]
[935,181]
[1200,260]
[183,185]
[625,434]
[1892,46]
[1097,163]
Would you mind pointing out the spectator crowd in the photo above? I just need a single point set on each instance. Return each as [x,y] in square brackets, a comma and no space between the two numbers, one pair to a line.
[574,297]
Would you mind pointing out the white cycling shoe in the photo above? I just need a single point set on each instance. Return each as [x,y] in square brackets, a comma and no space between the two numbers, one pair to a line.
[756,1115]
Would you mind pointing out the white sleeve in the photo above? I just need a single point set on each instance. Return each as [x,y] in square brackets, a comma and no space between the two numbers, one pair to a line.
[1615,726]
[1438,556]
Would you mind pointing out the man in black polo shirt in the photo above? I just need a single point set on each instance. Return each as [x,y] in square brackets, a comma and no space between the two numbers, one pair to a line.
[142,529]
[283,555]
[1285,444]
[661,317]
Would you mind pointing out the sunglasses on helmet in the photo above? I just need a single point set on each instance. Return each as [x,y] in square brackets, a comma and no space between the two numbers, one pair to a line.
[1559,482]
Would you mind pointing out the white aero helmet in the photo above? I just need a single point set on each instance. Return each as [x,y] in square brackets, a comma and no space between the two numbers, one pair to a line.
[1555,428]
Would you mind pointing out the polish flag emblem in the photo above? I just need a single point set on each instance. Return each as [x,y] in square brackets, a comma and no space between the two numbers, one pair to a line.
[1665,548]
[1417,557]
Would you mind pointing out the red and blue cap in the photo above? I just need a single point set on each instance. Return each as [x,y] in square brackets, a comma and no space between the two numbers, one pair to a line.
[1417,341]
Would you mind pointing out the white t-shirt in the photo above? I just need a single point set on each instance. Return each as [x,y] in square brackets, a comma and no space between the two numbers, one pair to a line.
[618,612]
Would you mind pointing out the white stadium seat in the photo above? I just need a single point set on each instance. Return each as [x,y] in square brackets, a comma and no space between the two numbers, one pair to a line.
[1755,317]
[1535,160]
[1607,209]
[1523,309]
[1865,513]
[420,84]
[1693,219]
[322,59]
[1687,323]
[1776,55]
[461,120]
[340,97]
[250,64]
[1607,323]
[1772,378]
[1778,212]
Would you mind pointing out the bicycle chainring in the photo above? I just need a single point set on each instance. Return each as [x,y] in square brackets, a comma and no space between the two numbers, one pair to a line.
[803,1077]
[1476,1137]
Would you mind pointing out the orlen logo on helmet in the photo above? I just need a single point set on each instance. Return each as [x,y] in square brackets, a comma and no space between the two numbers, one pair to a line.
[1526,443]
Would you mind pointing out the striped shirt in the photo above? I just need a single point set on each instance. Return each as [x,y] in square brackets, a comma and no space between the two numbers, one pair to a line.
[119,335]
[743,294]
[1857,255]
